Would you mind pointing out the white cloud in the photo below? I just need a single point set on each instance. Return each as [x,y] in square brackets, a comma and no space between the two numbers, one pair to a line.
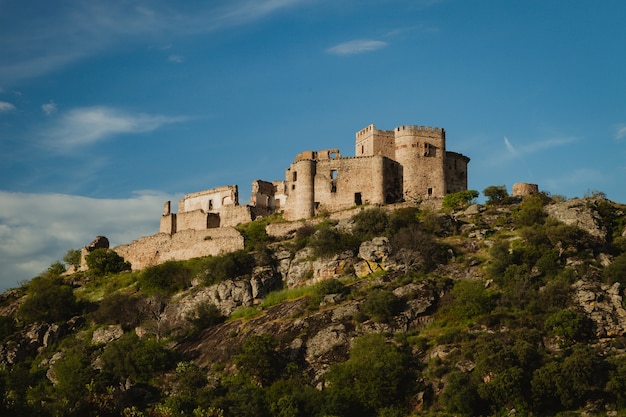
[38,229]
[6,107]
[509,146]
[176,59]
[358,46]
[87,125]
[49,108]
[620,132]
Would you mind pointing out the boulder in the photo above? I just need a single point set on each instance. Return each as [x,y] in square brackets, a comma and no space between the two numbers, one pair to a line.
[579,212]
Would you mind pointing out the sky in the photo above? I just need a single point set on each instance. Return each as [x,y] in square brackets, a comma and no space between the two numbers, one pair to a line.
[109,108]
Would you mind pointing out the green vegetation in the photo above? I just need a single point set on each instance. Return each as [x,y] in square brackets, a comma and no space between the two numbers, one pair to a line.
[459,199]
[106,261]
[463,326]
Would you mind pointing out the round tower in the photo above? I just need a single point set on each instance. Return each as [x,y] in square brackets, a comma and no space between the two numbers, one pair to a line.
[301,188]
[421,151]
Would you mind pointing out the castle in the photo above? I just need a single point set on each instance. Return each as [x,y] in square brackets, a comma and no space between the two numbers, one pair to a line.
[408,163]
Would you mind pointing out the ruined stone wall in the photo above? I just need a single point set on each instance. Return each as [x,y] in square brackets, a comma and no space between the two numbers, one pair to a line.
[196,220]
[280,195]
[232,216]
[262,194]
[186,244]
[521,189]
[210,200]
[456,172]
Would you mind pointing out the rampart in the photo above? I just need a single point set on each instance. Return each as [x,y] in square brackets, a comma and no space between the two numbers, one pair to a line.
[187,244]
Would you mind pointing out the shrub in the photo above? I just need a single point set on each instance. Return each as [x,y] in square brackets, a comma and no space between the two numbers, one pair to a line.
[215,269]
[415,249]
[530,212]
[496,194]
[106,261]
[460,199]
[370,223]
[376,376]
[472,299]
[258,358]
[254,235]
[7,327]
[205,315]
[616,270]
[50,300]
[167,278]
[120,308]
[381,305]
[136,359]
[568,325]
[72,258]
[328,241]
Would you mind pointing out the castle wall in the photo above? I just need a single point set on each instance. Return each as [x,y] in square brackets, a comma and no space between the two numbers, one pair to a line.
[456,172]
[186,244]
[262,195]
[210,200]
[235,215]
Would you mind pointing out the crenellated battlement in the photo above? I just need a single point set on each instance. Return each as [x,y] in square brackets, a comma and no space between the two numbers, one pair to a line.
[418,130]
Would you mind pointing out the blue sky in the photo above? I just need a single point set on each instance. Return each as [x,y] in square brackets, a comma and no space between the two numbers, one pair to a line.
[109,108]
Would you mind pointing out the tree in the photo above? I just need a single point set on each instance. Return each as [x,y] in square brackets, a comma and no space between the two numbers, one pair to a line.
[72,258]
[496,194]
[460,199]
[376,376]
[49,299]
[258,358]
[106,261]
[167,278]
[370,223]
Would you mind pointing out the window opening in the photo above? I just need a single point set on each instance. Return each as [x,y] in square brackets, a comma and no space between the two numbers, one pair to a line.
[357,199]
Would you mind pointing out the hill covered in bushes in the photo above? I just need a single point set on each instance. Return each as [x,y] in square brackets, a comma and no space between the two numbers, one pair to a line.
[515,307]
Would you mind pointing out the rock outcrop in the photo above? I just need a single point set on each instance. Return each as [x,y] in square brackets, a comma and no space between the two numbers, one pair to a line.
[580,212]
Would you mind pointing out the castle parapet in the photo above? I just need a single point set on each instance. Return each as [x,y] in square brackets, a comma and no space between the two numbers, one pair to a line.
[420,129]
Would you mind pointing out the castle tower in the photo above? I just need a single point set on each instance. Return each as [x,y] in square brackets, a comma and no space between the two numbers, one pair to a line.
[300,187]
[422,153]
[371,141]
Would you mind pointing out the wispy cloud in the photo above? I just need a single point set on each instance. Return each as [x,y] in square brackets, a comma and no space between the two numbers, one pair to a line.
[529,148]
[37,229]
[176,59]
[54,36]
[49,108]
[358,46]
[510,147]
[6,107]
[87,125]
[620,132]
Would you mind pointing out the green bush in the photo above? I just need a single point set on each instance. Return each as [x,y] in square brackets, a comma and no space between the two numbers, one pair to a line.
[329,241]
[569,326]
[106,261]
[72,258]
[167,278]
[530,212]
[50,300]
[496,194]
[254,235]
[616,270]
[215,269]
[381,305]
[460,199]
[376,376]
[471,299]
[205,315]
[120,308]
[137,359]
[7,327]
[259,358]
[370,223]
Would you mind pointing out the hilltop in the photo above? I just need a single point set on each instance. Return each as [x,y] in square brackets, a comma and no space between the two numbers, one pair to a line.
[512,307]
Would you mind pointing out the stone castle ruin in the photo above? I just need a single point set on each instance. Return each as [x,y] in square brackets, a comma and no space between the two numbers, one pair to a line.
[409,163]
[406,164]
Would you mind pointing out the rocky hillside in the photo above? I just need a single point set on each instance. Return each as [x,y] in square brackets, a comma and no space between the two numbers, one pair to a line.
[515,307]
